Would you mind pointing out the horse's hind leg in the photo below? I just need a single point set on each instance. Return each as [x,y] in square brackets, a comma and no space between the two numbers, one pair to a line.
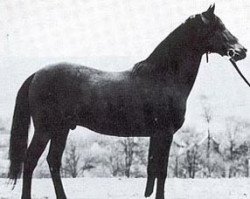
[57,145]
[34,151]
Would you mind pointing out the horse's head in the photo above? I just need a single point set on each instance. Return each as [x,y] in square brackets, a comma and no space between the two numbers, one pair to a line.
[216,38]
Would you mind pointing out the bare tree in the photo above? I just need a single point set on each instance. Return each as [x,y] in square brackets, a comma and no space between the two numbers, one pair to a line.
[140,158]
[4,146]
[75,164]
[236,149]
[177,148]
[192,160]
[129,147]
[123,153]
[116,166]
[208,117]
[190,155]
[112,158]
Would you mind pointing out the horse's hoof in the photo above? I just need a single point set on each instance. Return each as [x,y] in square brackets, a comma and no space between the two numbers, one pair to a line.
[149,187]
[159,196]
[149,191]
[25,197]
[162,197]
[147,194]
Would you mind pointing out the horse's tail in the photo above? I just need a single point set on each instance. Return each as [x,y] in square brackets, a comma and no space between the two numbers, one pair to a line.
[19,131]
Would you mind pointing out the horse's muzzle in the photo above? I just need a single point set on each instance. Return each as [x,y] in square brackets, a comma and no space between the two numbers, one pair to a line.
[237,53]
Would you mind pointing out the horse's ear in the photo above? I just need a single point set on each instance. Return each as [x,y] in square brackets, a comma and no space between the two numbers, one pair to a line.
[210,10]
[208,15]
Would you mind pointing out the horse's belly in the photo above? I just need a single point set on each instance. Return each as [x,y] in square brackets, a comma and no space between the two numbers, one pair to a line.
[125,125]
[117,126]
[120,132]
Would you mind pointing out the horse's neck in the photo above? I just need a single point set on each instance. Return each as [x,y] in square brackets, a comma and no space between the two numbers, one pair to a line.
[176,60]
[187,72]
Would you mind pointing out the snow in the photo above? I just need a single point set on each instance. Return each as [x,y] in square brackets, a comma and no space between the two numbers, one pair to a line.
[114,188]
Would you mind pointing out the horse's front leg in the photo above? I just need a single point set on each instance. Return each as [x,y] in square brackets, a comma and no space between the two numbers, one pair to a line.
[163,149]
[152,169]
[157,164]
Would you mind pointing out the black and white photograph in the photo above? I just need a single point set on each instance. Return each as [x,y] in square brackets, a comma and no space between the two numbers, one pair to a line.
[122,99]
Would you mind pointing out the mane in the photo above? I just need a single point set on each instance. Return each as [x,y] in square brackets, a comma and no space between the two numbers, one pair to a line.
[165,57]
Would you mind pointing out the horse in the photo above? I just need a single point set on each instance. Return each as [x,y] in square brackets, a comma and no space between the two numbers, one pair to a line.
[148,100]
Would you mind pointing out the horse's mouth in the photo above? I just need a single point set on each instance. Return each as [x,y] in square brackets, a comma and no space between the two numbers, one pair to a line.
[237,54]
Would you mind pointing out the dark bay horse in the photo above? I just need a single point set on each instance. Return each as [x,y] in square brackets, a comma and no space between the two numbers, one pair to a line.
[148,100]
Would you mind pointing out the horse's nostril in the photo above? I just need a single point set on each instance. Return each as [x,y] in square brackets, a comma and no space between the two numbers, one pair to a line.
[245,49]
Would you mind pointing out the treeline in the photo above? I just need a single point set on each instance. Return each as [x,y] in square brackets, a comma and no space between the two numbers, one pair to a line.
[194,153]
[102,157]
[211,156]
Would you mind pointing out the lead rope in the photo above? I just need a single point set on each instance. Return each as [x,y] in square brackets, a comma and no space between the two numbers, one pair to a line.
[236,67]
[238,70]
[207,56]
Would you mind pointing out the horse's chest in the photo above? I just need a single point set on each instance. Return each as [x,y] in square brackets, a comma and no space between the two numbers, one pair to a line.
[164,111]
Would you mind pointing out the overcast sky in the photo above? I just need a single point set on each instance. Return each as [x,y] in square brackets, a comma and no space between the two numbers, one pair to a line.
[113,35]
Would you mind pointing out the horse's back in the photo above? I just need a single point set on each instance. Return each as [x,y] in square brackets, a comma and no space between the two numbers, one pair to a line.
[64,90]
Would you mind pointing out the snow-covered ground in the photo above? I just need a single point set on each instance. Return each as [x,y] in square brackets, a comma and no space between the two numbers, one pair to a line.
[112,188]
